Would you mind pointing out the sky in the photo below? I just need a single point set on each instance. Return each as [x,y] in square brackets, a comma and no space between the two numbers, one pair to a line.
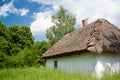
[36,14]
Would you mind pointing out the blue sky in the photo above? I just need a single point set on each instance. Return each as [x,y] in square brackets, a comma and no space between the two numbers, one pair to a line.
[37,13]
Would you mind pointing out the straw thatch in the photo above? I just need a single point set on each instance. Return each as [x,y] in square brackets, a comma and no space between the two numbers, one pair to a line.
[99,36]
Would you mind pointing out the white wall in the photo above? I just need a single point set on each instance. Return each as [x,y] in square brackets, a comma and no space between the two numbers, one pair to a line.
[107,64]
[50,63]
[84,63]
[79,63]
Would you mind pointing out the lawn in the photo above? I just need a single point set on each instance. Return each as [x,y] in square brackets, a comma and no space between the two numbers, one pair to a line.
[45,74]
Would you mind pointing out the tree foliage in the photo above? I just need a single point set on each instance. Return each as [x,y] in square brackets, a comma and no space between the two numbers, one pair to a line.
[17,47]
[21,36]
[3,38]
[63,24]
[38,49]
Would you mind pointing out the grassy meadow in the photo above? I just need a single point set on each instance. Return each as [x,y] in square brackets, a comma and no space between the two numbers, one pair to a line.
[45,74]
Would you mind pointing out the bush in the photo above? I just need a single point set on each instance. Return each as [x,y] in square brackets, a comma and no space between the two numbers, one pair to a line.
[2,59]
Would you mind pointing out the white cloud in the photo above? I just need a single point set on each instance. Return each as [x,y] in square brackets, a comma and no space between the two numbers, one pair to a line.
[91,9]
[23,11]
[9,8]
[41,23]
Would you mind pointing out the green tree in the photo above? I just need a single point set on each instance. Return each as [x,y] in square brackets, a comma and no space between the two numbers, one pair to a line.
[38,48]
[63,24]
[20,38]
[3,30]
[2,59]
[4,43]
[15,46]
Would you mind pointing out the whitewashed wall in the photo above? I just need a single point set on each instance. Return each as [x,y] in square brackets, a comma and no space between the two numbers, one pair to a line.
[50,63]
[107,64]
[78,63]
[84,63]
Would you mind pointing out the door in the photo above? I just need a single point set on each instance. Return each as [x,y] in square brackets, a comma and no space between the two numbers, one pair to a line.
[55,64]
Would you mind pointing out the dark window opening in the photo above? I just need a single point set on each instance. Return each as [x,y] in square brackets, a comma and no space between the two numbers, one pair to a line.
[55,64]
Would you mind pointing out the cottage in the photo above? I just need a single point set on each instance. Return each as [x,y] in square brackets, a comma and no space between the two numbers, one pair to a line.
[95,48]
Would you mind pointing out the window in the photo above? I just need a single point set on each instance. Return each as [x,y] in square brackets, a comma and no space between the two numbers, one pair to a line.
[55,64]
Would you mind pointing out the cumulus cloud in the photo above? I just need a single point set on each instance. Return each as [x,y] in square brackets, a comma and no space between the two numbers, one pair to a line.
[23,11]
[9,8]
[41,23]
[91,9]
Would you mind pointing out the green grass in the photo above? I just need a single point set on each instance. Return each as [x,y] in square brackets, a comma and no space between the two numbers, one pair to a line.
[45,74]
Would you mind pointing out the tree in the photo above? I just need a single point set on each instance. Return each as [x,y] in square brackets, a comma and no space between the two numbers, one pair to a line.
[38,48]
[15,46]
[3,30]
[4,43]
[20,38]
[63,24]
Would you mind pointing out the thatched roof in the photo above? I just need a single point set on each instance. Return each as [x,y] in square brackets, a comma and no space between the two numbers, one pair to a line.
[99,36]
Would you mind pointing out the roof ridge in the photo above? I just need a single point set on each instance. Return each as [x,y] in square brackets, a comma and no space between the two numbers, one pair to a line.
[95,38]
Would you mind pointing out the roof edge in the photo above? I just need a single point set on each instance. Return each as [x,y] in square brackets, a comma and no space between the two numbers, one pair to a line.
[66,54]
